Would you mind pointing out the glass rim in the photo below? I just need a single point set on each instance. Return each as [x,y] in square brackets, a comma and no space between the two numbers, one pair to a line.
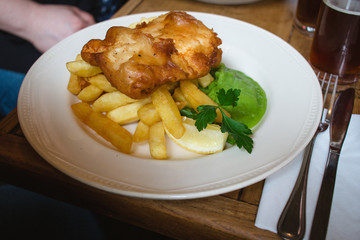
[331,4]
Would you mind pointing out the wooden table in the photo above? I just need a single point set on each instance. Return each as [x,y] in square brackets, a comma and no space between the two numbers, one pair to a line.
[227,216]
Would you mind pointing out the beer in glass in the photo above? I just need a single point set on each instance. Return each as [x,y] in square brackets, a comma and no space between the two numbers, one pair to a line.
[306,15]
[336,44]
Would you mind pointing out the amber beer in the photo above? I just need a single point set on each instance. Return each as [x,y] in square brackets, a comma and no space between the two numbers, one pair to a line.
[306,15]
[336,44]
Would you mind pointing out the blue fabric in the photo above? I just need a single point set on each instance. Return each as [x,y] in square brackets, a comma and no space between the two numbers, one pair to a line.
[108,8]
[10,83]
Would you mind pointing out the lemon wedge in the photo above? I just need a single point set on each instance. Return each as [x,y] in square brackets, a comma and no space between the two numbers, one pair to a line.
[208,141]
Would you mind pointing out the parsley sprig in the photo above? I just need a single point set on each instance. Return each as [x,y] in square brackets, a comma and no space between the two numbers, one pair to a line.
[206,114]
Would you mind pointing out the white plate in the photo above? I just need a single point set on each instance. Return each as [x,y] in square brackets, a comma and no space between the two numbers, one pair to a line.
[294,108]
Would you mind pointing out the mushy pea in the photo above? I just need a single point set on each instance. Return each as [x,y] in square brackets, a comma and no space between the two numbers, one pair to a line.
[252,102]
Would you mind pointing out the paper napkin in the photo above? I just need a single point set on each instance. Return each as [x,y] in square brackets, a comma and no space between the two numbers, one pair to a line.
[344,220]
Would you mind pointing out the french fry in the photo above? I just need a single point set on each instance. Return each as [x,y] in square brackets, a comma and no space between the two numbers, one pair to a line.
[168,111]
[170,86]
[111,100]
[74,84]
[180,105]
[205,80]
[196,97]
[78,57]
[157,141]
[82,68]
[179,96]
[101,82]
[195,81]
[109,130]
[148,114]
[141,132]
[128,113]
[89,93]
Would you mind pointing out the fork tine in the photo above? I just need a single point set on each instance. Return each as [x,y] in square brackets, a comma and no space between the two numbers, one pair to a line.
[331,104]
[333,95]
[323,79]
[325,86]
[325,93]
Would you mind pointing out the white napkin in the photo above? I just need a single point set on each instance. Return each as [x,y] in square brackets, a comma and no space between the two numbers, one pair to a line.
[344,220]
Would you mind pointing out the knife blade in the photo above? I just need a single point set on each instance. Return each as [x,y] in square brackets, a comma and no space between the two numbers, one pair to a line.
[338,127]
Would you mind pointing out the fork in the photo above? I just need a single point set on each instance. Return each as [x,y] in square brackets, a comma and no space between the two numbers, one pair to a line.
[292,221]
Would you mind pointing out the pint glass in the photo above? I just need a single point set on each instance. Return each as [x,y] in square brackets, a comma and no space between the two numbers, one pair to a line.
[336,44]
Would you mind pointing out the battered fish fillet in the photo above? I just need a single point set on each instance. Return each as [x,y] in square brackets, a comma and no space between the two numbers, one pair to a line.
[175,46]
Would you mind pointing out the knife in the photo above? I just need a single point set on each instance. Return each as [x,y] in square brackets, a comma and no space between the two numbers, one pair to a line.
[338,127]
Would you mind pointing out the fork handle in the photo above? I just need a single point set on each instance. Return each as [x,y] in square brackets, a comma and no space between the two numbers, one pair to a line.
[292,221]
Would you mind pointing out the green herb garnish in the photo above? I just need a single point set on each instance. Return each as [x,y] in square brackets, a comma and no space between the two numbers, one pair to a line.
[238,132]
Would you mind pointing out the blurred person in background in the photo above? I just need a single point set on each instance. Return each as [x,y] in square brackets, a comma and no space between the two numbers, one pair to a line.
[28,29]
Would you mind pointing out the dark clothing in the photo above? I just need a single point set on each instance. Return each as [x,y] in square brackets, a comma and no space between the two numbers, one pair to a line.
[16,54]
[27,215]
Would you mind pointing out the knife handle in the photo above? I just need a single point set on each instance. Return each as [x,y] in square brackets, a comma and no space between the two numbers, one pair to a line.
[323,206]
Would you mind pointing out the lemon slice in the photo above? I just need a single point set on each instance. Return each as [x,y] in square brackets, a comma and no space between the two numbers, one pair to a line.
[208,141]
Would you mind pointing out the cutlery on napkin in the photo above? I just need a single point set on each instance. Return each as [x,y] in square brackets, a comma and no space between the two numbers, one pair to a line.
[345,212]
[339,122]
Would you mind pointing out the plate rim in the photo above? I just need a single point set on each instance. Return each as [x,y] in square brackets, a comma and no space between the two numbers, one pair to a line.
[153,195]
